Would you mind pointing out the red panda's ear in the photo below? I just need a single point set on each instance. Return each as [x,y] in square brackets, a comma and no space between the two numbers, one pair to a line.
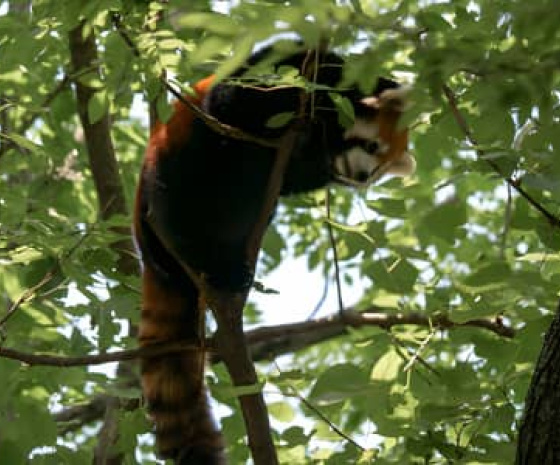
[394,99]
[371,102]
[384,84]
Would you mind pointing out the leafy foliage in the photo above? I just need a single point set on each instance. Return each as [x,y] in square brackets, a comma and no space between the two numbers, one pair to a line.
[454,240]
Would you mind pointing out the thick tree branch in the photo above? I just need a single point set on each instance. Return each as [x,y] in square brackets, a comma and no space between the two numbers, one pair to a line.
[101,153]
[230,340]
[228,308]
[102,159]
[110,192]
[269,342]
[265,343]
[539,441]
[98,359]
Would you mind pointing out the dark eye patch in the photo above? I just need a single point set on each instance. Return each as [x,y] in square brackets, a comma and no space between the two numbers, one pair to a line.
[370,146]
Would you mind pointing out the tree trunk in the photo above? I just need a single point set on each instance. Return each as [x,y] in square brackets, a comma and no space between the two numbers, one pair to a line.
[539,438]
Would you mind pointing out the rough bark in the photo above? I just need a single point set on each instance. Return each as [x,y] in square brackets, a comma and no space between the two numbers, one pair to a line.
[230,340]
[234,351]
[112,201]
[539,441]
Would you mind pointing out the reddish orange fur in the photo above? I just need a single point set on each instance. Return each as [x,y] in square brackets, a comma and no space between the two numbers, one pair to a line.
[198,200]
[178,128]
[394,137]
[173,384]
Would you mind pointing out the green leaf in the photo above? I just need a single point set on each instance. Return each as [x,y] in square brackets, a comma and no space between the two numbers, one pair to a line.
[445,220]
[344,108]
[213,22]
[281,411]
[337,383]
[388,367]
[11,450]
[280,119]
[24,255]
[98,106]
[23,142]
[396,274]
[488,277]
[394,208]
[164,109]
[295,436]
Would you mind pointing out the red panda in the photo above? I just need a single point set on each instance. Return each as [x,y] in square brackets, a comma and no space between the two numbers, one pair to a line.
[200,194]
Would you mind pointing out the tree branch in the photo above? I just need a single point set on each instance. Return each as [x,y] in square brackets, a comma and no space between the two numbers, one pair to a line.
[212,122]
[269,342]
[98,359]
[216,125]
[74,417]
[538,433]
[514,183]
[99,144]
[228,307]
[111,198]
[31,292]
[265,343]
[228,311]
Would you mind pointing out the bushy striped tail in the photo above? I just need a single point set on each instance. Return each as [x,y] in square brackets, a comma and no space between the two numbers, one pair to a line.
[173,384]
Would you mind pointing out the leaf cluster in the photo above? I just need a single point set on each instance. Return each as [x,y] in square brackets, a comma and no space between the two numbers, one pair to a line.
[453,240]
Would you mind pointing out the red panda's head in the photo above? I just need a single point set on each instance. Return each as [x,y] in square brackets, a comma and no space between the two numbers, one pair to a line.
[376,144]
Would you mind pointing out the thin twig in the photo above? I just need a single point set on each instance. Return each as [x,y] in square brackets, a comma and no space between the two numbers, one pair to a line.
[514,183]
[76,416]
[322,299]
[507,222]
[321,415]
[216,125]
[31,292]
[28,122]
[416,356]
[209,120]
[335,253]
[98,359]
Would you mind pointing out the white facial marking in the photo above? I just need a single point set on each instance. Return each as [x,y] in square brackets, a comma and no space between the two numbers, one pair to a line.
[358,167]
[403,166]
[356,162]
[372,102]
[400,92]
[362,129]
[395,99]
